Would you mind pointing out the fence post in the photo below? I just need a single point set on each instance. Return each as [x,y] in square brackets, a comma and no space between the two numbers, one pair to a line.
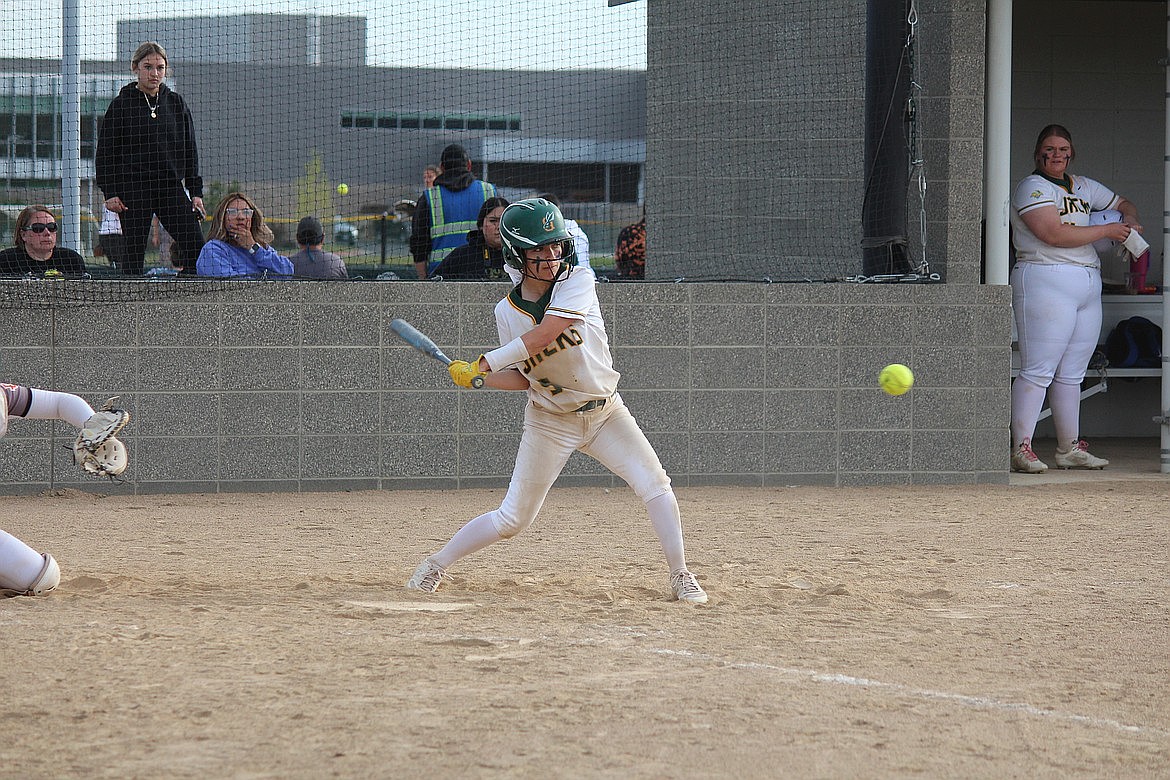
[382,230]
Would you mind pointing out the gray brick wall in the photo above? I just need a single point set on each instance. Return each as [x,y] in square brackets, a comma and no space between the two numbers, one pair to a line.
[300,386]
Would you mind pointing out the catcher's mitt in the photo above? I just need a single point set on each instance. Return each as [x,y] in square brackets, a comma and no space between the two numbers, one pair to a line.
[95,449]
[102,425]
[108,459]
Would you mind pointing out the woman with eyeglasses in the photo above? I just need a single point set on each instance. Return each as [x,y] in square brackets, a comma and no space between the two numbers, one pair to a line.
[240,243]
[36,251]
[147,163]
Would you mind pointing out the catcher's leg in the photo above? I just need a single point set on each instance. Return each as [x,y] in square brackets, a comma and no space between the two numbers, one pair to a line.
[24,571]
[53,405]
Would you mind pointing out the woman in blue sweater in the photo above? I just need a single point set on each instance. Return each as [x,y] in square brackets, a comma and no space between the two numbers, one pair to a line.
[240,243]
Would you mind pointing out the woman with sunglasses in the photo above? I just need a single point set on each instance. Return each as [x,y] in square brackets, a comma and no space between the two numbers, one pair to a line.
[147,163]
[36,251]
[240,243]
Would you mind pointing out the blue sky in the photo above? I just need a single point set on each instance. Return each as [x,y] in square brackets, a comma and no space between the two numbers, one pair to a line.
[553,35]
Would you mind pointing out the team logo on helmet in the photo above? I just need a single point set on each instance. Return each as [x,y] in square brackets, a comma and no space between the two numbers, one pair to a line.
[547,223]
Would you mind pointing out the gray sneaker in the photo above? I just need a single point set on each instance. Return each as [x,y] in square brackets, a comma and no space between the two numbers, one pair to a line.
[686,587]
[427,577]
[1079,457]
[1025,461]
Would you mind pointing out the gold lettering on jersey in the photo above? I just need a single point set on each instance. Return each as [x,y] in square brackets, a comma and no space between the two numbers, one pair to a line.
[568,339]
[1074,205]
[554,389]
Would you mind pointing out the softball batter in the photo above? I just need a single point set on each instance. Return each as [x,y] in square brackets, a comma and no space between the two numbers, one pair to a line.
[555,347]
[1056,296]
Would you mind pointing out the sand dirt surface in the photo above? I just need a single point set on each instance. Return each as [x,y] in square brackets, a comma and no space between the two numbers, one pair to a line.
[979,631]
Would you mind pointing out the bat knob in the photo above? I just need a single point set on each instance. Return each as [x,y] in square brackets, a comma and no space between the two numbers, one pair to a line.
[477,382]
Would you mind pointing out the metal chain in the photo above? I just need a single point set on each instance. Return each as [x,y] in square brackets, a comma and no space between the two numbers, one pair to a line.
[917,163]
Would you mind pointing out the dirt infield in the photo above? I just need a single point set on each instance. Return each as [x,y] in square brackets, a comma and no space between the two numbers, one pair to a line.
[1012,631]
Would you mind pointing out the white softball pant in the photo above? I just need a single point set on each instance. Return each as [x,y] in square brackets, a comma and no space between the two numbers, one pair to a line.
[1057,309]
[610,435]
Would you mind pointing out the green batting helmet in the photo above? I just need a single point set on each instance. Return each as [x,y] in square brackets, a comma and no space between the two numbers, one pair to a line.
[533,223]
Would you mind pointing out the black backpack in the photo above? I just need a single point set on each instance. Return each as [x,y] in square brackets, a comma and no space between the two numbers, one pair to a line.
[1134,343]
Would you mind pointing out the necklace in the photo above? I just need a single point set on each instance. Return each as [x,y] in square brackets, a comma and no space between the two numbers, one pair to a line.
[154,108]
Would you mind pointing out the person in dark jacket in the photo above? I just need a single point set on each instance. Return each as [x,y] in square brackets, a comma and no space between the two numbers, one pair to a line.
[36,251]
[482,257]
[148,164]
[444,214]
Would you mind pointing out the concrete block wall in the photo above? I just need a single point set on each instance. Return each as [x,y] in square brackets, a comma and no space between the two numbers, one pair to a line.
[300,386]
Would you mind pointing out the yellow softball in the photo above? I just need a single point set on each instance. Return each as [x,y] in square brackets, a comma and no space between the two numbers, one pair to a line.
[896,379]
[342,189]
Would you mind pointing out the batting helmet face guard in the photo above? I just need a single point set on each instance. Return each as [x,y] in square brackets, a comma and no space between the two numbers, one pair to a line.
[531,224]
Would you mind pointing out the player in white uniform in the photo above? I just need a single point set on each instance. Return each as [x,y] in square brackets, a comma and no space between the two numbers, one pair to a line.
[1056,296]
[23,570]
[556,348]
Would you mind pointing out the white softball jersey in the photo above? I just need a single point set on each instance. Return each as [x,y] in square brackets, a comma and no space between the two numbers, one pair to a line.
[577,367]
[1074,206]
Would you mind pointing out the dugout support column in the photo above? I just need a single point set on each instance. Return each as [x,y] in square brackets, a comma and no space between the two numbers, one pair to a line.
[997,142]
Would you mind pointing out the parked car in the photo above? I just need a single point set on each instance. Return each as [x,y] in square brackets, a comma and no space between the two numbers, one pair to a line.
[345,233]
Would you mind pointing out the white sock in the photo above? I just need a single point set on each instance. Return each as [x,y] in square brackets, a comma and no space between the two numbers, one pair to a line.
[667,523]
[1066,414]
[19,563]
[1027,402]
[51,405]
[473,537]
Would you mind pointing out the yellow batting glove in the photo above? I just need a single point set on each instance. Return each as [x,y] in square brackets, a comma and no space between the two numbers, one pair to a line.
[466,374]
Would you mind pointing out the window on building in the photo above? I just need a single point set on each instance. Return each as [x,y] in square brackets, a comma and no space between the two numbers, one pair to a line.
[47,138]
[396,121]
[574,182]
[623,182]
[22,135]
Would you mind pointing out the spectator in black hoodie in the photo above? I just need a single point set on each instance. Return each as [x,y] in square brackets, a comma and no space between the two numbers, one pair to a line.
[444,214]
[482,257]
[147,163]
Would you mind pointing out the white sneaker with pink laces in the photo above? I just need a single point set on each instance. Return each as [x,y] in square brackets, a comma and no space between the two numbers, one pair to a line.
[1025,461]
[1079,457]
